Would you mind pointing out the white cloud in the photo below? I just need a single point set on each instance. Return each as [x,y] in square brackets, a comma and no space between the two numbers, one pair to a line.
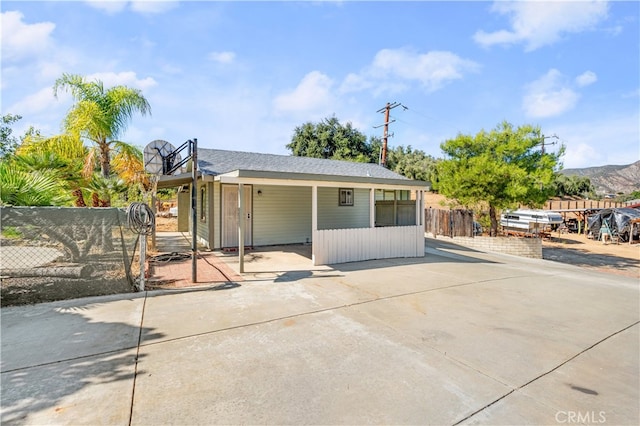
[151,6]
[37,102]
[21,40]
[222,57]
[586,78]
[126,78]
[112,7]
[537,24]
[312,93]
[108,6]
[393,70]
[549,96]
[608,140]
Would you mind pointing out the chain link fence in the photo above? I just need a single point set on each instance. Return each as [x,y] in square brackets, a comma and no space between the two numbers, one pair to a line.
[57,253]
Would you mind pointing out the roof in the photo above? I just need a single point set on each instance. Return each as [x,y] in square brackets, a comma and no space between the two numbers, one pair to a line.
[218,161]
[228,165]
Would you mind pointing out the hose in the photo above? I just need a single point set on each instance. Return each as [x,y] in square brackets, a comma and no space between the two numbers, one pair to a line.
[140,218]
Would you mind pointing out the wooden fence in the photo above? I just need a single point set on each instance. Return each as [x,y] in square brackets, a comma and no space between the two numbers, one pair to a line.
[450,223]
[581,204]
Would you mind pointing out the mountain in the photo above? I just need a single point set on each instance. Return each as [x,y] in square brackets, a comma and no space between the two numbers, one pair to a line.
[611,179]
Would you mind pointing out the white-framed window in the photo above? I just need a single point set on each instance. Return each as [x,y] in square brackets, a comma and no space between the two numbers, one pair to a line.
[346,197]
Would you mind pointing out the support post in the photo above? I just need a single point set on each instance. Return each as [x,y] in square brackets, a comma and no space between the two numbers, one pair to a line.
[241,221]
[143,258]
[194,210]
[418,206]
[314,221]
[372,207]
[154,202]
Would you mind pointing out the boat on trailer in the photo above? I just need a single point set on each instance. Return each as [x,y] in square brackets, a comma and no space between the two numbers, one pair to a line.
[530,222]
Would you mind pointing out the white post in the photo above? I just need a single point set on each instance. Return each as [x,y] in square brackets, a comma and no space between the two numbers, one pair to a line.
[314,221]
[372,207]
[241,226]
[418,206]
[143,258]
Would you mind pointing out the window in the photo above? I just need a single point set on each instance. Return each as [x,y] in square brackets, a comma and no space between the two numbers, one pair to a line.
[346,197]
[203,204]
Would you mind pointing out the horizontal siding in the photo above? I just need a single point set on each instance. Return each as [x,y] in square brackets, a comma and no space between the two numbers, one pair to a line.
[333,216]
[353,245]
[281,215]
[215,216]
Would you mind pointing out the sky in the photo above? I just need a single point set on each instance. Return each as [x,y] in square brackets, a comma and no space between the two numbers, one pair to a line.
[242,75]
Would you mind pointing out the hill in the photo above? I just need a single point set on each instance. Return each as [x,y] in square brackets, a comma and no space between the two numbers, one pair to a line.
[611,179]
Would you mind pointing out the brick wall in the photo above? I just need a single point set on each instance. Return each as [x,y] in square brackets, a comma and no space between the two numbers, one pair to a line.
[524,247]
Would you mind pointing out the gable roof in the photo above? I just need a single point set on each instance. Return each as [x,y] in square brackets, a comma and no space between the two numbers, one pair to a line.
[222,164]
[218,161]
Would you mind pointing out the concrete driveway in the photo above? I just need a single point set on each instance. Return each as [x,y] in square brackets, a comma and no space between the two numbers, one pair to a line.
[459,337]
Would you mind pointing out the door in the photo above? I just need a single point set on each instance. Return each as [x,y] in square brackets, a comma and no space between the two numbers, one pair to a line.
[230,216]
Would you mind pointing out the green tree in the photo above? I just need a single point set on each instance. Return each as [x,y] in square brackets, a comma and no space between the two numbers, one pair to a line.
[8,142]
[498,169]
[65,155]
[100,115]
[564,185]
[412,163]
[330,139]
[20,187]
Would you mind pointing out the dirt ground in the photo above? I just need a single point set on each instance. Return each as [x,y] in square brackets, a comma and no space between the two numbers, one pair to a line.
[574,249]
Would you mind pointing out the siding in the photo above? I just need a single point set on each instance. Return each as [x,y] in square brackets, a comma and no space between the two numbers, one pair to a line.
[281,214]
[203,226]
[184,211]
[333,216]
[215,215]
[352,245]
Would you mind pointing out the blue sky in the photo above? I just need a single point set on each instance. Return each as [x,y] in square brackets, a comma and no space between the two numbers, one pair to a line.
[243,75]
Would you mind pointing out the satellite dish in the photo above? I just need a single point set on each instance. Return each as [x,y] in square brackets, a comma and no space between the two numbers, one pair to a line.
[160,157]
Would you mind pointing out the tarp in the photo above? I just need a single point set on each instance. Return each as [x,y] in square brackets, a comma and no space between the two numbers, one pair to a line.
[617,220]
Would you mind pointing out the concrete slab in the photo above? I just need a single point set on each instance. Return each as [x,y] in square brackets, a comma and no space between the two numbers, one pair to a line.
[522,329]
[53,332]
[82,391]
[323,368]
[251,302]
[459,336]
[599,386]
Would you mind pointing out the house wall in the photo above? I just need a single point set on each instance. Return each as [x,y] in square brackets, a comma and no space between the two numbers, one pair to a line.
[204,230]
[281,214]
[216,215]
[331,215]
[184,207]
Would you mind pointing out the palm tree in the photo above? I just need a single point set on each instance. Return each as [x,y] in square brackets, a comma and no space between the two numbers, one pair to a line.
[65,155]
[20,187]
[100,115]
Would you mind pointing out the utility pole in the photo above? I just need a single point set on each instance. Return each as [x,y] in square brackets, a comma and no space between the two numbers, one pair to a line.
[386,109]
[550,143]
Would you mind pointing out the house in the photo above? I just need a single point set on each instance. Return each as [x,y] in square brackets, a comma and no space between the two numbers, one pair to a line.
[348,211]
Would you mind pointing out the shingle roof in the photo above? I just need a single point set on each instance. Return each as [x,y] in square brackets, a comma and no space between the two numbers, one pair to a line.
[217,162]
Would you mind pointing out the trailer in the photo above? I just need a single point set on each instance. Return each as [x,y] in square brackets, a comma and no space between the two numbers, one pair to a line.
[530,223]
